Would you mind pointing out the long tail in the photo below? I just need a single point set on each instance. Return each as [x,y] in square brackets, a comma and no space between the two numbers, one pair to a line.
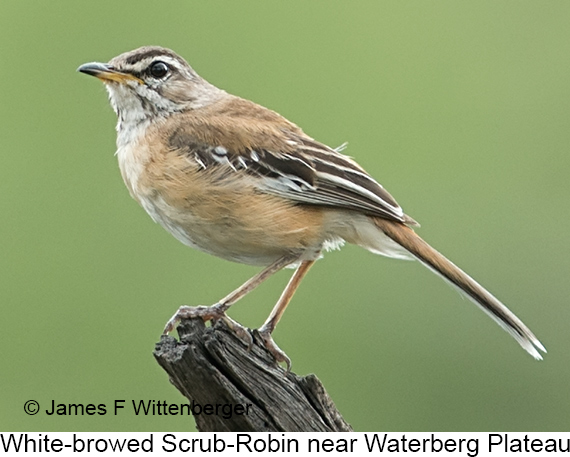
[436,262]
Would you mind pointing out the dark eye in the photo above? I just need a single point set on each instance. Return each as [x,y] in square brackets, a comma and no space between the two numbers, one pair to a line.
[158,69]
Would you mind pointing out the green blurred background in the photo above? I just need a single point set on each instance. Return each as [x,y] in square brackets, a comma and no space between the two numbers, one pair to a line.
[460,109]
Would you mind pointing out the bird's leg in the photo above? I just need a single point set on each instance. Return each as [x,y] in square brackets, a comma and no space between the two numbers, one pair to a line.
[267,328]
[218,311]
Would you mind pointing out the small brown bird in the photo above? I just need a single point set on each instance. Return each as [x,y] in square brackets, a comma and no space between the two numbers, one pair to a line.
[239,181]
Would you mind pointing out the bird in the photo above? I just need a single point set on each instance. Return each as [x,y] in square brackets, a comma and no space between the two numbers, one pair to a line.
[232,178]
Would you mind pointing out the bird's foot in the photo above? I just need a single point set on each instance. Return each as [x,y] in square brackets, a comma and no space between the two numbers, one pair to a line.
[242,332]
[274,350]
[212,313]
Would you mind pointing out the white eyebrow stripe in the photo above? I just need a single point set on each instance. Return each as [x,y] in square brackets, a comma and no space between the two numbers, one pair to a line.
[143,64]
[166,59]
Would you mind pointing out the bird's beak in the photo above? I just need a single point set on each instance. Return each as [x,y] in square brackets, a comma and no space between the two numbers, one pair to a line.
[107,73]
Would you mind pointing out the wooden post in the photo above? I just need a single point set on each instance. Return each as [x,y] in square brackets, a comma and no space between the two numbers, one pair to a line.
[232,389]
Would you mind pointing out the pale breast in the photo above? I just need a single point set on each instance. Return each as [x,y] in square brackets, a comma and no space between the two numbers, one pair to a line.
[217,212]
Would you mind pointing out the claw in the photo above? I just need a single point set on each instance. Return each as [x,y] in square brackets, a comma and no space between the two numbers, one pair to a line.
[209,313]
[275,350]
[206,313]
[242,332]
[215,313]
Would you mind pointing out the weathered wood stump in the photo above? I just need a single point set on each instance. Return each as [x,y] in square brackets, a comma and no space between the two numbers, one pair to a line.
[246,390]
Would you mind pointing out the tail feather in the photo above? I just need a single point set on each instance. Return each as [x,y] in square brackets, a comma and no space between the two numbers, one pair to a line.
[436,262]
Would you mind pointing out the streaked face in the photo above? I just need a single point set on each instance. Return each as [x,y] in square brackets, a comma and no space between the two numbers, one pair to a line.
[150,81]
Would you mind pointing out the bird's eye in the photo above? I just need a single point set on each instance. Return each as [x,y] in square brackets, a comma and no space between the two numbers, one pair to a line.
[159,69]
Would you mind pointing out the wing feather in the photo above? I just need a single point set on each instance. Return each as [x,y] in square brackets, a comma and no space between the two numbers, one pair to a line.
[297,168]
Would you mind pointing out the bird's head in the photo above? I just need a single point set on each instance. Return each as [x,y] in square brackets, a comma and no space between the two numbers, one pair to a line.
[151,82]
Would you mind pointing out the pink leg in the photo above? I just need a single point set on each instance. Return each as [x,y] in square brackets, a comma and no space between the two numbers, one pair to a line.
[267,328]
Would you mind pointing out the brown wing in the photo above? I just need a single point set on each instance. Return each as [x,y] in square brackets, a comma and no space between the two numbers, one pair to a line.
[287,163]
